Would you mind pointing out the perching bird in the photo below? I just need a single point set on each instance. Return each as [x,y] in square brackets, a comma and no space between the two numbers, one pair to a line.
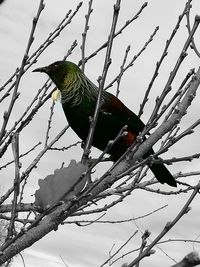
[79,96]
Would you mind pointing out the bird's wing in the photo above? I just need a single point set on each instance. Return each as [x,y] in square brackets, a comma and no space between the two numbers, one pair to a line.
[116,111]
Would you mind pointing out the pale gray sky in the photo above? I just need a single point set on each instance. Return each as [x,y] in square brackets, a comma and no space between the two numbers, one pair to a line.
[90,246]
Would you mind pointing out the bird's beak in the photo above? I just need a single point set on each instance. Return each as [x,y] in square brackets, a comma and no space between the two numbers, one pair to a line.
[43,69]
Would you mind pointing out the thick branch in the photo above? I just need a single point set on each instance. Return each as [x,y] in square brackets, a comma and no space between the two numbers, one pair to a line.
[190,260]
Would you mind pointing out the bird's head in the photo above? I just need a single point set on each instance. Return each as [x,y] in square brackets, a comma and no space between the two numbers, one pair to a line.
[70,82]
[60,72]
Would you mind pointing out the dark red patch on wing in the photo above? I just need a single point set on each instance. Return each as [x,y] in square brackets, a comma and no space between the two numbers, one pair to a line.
[129,138]
[121,146]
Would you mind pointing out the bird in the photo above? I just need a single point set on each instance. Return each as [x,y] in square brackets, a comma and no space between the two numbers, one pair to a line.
[78,98]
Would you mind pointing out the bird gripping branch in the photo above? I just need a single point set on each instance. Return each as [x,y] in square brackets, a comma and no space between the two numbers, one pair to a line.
[79,96]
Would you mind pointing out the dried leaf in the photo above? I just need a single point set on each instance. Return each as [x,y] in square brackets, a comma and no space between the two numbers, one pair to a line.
[55,186]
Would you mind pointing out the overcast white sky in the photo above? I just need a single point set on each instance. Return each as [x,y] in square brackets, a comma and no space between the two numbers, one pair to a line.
[90,246]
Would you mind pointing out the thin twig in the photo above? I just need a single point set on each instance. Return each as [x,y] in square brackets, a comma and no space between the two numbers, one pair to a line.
[193,45]
[21,70]
[130,64]
[34,163]
[167,87]
[122,70]
[105,44]
[113,221]
[145,236]
[65,147]
[84,34]
[159,63]
[101,82]
[49,123]
[41,101]
[21,155]
[49,40]
[119,249]
[167,227]
[15,147]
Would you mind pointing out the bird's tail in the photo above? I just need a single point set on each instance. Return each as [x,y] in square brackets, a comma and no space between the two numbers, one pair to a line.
[162,174]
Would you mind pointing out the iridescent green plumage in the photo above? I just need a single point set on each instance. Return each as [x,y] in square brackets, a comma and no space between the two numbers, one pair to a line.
[79,96]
